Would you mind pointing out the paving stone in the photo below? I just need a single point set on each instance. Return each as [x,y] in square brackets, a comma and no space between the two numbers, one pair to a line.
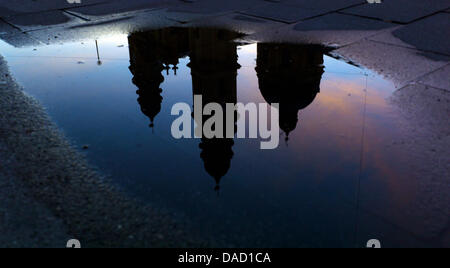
[11,8]
[15,37]
[438,79]
[210,7]
[430,34]
[118,7]
[401,65]
[340,29]
[283,13]
[403,11]
[89,31]
[323,5]
[334,30]
[40,20]
[238,22]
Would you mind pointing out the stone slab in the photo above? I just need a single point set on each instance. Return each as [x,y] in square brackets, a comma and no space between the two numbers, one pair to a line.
[398,64]
[430,34]
[15,37]
[238,22]
[323,5]
[117,8]
[10,8]
[333,30]
[438,79]
[40,20]
[283,13]
[403,11]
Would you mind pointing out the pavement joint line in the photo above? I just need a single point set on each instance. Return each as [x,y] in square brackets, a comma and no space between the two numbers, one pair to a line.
[84,23]
[417,80]
[426,17]
[262,17]
[45,27]
[75,15]
[410,48]
[242,12]
[396,22]
[370,18]
[47,10]
[91,18]
[10,24]
[414,82]
[446,91]
[22,32]
[288,23]
[88,5]
[443,67]
[205,17]
[377,32]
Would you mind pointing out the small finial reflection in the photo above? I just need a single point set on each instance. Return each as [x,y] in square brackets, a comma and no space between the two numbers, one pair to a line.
[175,69]
[99,62]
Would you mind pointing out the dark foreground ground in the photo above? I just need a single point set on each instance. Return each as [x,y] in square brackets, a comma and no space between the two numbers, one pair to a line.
[49,194]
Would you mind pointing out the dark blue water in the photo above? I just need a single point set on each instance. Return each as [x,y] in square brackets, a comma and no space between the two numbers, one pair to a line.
[333,181]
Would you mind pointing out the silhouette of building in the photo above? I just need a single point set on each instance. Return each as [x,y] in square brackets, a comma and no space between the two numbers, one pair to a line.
[214,76]
[151,53]
[290,75]
[213,63]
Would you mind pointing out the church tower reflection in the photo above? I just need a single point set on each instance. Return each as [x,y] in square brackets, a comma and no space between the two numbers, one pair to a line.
[290,75]
[151,53]
[214,76]
[213,63]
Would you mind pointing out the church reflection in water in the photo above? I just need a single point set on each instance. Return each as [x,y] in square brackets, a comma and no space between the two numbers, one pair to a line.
[288,74]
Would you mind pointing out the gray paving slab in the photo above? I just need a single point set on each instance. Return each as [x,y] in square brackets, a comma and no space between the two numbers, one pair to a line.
[186,17]
[15,37]
[334,30]
[40,20]
[238,22]
[398,64]
[11,8]
[340,29]
[118,7]
[403,11]
[209,7]
[323,5]
[283,13]
[89,31]
[438,79]
[430,34]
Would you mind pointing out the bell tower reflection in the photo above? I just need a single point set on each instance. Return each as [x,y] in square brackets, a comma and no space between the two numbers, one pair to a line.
[290,75]
[151,53]
[213,63]
[214,76]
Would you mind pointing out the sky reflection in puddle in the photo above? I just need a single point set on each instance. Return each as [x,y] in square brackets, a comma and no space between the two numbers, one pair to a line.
[334,182]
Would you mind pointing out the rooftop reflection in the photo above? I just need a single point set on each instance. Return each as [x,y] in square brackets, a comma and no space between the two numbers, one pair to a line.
[288,74]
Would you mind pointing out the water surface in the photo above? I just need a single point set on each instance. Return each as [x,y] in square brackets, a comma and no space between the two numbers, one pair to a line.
[332,182]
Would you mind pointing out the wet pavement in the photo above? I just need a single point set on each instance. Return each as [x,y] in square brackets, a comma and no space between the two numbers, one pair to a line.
[365,141]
